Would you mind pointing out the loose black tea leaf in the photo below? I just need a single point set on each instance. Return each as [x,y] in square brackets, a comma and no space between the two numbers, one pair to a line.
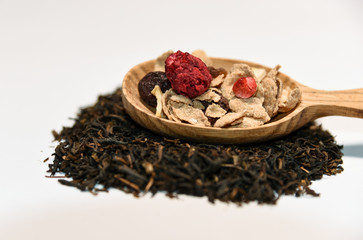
[106,149]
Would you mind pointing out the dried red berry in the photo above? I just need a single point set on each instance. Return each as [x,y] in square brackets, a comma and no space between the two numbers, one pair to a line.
[245,87]
[188,75]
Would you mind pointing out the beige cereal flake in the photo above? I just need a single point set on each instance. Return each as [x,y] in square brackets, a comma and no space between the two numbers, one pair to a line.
[198,105]
[160,61]
[228,119]
[247,122]
[217,81]
[167,108]
[209,95]
[203,56]
[289,99]
[250,107]
[272,91]
[260,73]
[215,111]
[191,115]
[180,99]
[251,122]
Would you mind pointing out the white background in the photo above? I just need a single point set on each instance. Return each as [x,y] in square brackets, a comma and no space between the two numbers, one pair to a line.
[58,56]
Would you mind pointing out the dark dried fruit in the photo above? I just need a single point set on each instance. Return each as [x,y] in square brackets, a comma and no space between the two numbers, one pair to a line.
[224,103]
[188,75]
[147,84]
[212,120]
[215,72]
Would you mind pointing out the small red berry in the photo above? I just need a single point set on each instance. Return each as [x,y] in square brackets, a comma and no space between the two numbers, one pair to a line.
[245,87]
[188,75]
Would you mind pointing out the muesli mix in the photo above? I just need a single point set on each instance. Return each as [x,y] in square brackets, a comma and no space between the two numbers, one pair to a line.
[188,88]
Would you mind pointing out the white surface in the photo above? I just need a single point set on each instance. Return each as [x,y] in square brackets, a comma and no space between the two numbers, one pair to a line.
[57,56]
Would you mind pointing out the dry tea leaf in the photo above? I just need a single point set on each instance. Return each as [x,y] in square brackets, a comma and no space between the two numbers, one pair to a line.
[134,160]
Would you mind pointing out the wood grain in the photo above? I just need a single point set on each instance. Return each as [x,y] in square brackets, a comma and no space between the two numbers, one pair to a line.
[314,104]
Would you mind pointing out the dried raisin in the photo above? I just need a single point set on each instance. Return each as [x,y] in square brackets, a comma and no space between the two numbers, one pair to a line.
[215,72]
[147,84]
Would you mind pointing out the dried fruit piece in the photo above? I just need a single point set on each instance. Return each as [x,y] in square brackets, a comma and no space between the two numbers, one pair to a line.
[147,84]
[238,71]
[158,94]
[245,87]
[224,103]
[215,72]
[188,75]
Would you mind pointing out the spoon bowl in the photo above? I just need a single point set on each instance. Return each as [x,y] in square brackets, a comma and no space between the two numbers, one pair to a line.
[314,104]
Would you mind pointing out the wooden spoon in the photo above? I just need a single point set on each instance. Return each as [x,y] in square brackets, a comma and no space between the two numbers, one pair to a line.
[314,104]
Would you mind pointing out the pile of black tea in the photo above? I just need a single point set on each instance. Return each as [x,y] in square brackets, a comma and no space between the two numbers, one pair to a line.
[106,149]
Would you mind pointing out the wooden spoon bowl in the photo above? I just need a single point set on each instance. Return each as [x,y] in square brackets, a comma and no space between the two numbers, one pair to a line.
[314,104]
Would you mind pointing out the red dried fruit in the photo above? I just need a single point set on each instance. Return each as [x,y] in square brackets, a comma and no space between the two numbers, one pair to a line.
[188,75]
[245,87]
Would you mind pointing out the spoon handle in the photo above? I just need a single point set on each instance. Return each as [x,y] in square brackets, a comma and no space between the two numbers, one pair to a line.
[347,103]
